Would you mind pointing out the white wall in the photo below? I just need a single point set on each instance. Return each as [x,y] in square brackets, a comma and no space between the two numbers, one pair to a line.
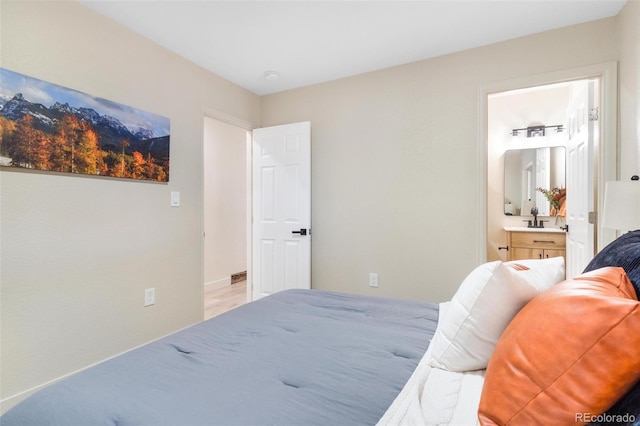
[225,202]
[396,160]
[78,252]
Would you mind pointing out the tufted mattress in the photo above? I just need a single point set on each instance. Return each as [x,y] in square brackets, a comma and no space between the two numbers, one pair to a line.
[298,357]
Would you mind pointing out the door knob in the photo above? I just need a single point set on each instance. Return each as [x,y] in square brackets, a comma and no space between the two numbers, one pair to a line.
[302,231]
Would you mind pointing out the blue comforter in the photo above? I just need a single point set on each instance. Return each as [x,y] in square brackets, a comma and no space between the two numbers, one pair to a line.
[298,357]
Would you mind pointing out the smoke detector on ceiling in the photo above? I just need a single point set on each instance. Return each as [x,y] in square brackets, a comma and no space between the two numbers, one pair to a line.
[271,75]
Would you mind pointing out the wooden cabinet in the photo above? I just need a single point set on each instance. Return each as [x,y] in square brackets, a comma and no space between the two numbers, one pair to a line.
[537,244]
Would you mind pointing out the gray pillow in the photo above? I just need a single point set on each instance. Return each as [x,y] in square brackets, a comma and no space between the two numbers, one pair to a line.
[623,252]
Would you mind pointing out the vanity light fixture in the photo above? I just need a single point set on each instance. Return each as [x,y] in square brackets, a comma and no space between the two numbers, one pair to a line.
[535,131]
[621,209]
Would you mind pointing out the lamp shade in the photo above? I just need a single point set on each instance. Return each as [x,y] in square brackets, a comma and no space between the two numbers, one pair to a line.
[621,205]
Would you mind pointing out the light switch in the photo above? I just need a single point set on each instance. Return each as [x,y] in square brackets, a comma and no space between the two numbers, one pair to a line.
[175,199]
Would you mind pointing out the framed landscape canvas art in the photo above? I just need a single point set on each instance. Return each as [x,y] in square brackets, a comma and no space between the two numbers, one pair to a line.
[48,127]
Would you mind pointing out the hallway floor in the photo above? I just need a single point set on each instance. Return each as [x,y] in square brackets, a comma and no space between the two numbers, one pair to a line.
[224,299]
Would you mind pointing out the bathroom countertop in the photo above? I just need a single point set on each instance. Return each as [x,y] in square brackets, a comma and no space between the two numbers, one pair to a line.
[525,229]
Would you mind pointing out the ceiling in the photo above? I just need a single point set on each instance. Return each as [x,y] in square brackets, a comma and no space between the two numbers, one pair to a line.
[308,42]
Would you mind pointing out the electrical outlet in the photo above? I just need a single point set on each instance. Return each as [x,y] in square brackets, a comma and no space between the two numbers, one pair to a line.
[149,296]
[373,279]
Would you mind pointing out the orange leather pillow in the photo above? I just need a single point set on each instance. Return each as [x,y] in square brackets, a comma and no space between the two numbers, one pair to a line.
[570,353]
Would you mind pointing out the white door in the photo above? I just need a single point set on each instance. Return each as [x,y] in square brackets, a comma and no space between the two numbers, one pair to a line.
[580,177]
[281,208]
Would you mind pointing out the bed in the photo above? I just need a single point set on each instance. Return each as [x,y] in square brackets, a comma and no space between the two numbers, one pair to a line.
[308,357]
[294,358]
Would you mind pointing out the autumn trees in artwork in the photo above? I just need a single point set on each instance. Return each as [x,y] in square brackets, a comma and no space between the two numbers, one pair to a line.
[74,147]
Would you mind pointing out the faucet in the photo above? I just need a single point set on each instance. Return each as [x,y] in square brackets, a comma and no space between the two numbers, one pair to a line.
[534,212]
[536,223]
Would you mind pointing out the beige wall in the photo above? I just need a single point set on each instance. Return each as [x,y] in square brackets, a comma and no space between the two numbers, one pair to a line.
[225,202]
[77,252]
[396,160]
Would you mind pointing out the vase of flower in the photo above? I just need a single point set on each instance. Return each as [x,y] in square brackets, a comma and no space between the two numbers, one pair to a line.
[556,198]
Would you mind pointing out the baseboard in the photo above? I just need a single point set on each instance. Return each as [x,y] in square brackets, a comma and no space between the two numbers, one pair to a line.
[214,285]
[12,400]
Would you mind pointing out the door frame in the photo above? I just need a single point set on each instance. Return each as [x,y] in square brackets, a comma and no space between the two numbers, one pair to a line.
[608,150]
[248,126]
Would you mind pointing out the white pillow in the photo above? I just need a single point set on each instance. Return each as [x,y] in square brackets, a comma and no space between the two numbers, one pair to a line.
[487,300]
[543,273]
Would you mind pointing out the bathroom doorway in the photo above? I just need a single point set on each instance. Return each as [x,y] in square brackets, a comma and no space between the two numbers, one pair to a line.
[534,120]
[501,122]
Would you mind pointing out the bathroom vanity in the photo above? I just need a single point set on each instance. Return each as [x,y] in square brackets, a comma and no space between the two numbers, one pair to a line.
[535,243]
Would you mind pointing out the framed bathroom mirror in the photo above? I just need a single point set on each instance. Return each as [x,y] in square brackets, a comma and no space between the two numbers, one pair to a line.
[528,169]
